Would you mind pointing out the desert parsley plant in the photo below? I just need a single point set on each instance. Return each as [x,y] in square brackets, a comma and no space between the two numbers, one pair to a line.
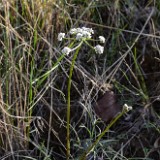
[78,37]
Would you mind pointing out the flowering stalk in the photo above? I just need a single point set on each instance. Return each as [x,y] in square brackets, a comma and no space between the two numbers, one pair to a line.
[77,48]
[125,109]
[80,35]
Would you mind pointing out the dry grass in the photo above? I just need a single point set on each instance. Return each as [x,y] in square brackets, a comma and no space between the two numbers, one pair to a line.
[33,79]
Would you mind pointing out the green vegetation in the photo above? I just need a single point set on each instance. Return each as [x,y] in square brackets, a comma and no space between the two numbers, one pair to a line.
[50,83]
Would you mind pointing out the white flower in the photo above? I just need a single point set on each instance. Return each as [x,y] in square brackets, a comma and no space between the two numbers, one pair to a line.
[90,30]
[99,49]
[79,36]
[102,39]
[66,50]
[73,31]
[61,36]
[86,34]
[79,30]
[82,33]
[126,108]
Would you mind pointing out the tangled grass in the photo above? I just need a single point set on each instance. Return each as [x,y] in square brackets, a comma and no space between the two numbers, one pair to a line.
[34,78]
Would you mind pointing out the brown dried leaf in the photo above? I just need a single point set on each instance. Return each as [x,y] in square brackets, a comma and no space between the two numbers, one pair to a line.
[107,108]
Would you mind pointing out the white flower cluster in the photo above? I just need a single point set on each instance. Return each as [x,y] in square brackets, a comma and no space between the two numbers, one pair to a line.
[127,108]
[66,50]
[61,36]
[99,49]
[80,30]
[102,39]
[82,33]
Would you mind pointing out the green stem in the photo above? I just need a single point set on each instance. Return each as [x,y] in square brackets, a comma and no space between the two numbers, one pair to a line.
[45,75]
[84,155]
[69,98]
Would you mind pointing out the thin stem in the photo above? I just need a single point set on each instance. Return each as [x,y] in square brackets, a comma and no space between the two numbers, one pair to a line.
[83,156]
[69,98]
[48,72]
